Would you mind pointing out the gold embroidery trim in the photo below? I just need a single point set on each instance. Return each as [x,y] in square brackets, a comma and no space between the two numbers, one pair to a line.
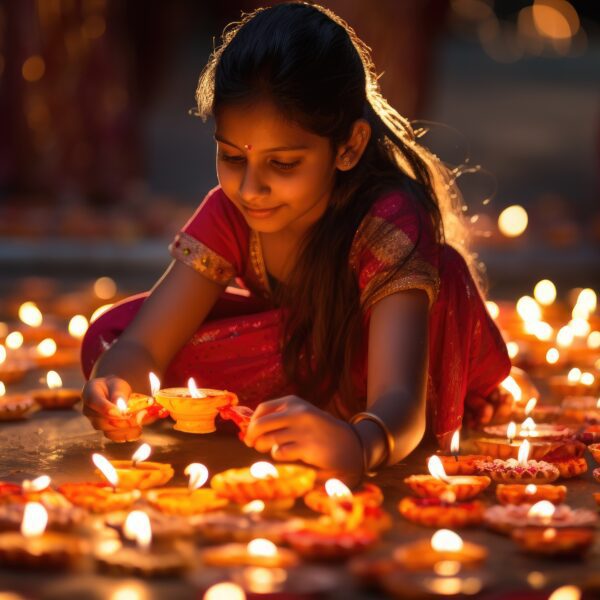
[201,258]
[258,262]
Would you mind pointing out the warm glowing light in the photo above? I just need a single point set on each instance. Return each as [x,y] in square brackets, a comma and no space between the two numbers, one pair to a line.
[141,454]
[565,336]
[107,470]
[542,330]
[2,354]
[105,288]
[253,507]
[580,327]
[542,510]
[225,591]
[566,592]
[446,540]
[47,347]
[36,485]
[587,299]
[262,547]
[455,442]
[545,292]
[512,387]
[593,340]
[99,311]
[527,426]
[263,470]
[121,405]
[35,519]
[78,326]
[512,221]
[154,384]
[513,349]
[574,375]
[33,68]
[530,406]
[53,380]
[530,489]
[198,474]
[549,534]
[493,309]
[552,356]
[2,389]
[30,314]
[511,431]
[524,453]
[337,489]
[587,378]
[193,388]
[529,309]
[137,527]
[14,340]
[436,468]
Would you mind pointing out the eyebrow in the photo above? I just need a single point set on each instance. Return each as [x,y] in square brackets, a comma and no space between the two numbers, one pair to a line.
[218,138]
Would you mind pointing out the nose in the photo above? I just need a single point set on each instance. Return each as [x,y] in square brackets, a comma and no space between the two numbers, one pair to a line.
[252,186]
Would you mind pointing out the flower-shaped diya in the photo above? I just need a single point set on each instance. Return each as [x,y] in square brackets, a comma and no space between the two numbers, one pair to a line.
[441,512]
[460,464]
[257,553]
[519,493]
[550,541]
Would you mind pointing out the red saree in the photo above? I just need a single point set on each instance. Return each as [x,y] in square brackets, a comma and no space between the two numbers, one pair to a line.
[238,347]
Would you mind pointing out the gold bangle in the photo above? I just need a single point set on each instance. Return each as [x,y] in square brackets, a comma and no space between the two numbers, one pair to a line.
[390,442]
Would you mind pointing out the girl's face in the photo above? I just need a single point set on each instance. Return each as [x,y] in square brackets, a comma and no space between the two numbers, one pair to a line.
[279,175]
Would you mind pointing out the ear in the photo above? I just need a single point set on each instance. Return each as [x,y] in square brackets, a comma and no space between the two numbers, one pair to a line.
[349,153]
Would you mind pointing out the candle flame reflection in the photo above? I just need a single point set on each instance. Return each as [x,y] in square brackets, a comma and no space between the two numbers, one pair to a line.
[35,519]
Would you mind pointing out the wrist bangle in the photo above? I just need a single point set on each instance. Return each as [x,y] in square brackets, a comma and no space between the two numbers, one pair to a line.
[363,449]
[390,442]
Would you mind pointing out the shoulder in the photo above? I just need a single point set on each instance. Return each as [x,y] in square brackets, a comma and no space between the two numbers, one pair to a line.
[215,207]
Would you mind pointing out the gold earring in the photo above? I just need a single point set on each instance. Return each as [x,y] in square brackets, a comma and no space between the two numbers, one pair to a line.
[346,161]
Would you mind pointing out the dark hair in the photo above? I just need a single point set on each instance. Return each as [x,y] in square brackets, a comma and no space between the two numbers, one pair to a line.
[313,67]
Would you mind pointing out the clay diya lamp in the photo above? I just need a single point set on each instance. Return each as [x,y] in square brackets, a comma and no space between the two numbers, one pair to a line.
[34,547]
[139,474]
[194,410]
[56,396]
[574,383]
[504,519]
[15,406]
[325,501]
[12,370]
[518,493]
[568,458]
[263,481]
[444,546]
[239,415]
[530,430]
[595,452]
[143,557]
[191,500]
[589,435]
[9,492]
[596,496]
[550,541]
[596,474]
[47,355]
[521,470]
[443,512]
[438,484]
[257,553]
[460,464]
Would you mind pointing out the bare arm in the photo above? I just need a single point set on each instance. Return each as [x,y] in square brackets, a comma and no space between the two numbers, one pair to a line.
[397,374]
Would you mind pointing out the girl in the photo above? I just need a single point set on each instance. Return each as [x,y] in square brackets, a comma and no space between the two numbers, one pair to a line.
[357,315]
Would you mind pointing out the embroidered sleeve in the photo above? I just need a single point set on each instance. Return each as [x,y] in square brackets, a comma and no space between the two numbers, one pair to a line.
[394,251]
[212,241]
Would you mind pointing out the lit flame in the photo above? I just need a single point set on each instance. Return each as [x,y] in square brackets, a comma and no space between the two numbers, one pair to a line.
[107,470]
[194,391]
[261,547]
[512,387]
[99,311]
[436,468]
[198,474]
[263,470]
[587,378]
[137,527]
[35,519]
[587,299]
[549,534]
[446,540]
[574,375]
[524,453]
[529,309]
[598,403]
[2,354]
[154,384]
[53,380]
[36,485]
[493,309]
[531,489]
[512,221]
[552,356]
[593,340]
[78,326]
[542,510]
[337,489]
[513,349]
[580,327]
[527,426]
[141,454]
[566,592]
[545,292]
[30,314]
[14,340]
[565,336]
[225,591]
[511,430]
[455,442]
[46,347]
[121,405]
[530,406]
[253,507]
[3,389]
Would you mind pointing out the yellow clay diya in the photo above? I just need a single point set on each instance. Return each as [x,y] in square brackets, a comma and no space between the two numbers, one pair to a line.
[444,545]
[56,396]
[187,501]
[264,481]
[550,541]
[194,410]
[460,464]
[321,501]
[518,493]
[98,497]
[438,484]
[257,553]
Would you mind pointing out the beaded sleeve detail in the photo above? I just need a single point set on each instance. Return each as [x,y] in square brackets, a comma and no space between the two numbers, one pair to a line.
[201,258]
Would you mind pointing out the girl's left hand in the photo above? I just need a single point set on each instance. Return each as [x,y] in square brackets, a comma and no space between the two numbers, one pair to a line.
[292,429]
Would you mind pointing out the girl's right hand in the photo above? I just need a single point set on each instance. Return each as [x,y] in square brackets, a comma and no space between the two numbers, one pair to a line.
[99,398]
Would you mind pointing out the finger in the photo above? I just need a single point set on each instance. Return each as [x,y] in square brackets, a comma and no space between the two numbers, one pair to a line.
[270,406]
[266,442]
[118,388]
[122,436]
[267,424]
[291,452]
[97,398]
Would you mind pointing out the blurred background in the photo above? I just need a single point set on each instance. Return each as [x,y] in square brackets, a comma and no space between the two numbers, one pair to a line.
[100,162]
